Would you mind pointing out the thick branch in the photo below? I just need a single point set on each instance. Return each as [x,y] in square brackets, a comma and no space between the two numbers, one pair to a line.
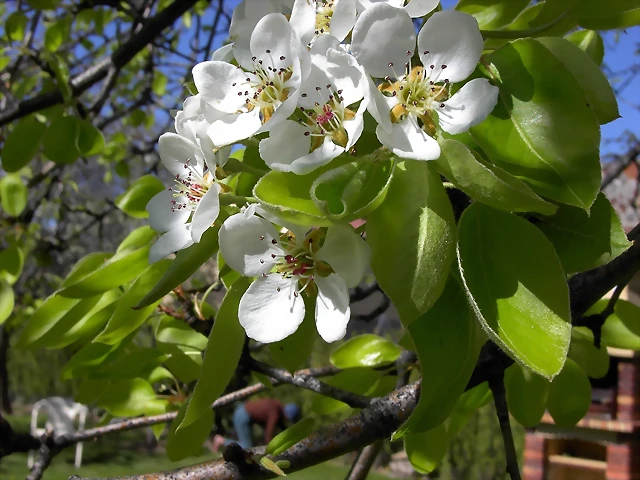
[99,71]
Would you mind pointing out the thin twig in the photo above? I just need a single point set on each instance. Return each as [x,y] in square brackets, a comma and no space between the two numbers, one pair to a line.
[500,399]
[363,463]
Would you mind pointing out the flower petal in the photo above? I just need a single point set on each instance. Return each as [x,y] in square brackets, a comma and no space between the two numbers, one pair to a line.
[346,253]
[287,142]
[332,307]
[343,18]
[206,212]
[223,54]
[269,311]
[382,37]
[468,107]
[303,20]
[219,83]
[246,244]
[271,42]
[175,150]
[378,106]
[161,216]
[234,127]
[452,43]
[177,239]
[419,8]
[364,4]
[408,140]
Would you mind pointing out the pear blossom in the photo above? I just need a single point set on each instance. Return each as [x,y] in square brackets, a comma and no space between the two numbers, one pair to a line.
[261,91]
[311,18]
[327,122]
[418,97]
[287,262]
[186,210]
[415,8]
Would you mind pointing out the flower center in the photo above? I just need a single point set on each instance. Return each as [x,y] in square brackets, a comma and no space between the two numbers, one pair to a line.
[191,186]
[416,94]
[266,86]
[326,119]
[324,13]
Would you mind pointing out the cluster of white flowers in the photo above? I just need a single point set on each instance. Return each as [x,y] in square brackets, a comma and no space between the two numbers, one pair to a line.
[304,72]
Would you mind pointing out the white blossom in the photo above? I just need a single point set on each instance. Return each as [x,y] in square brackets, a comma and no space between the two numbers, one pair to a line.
[414,8]
[312,18]
[418,97]
[286,263]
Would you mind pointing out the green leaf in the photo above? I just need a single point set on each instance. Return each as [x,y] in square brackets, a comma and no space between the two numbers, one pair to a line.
[366,350]
[353,190]
[6,301]
[591,79]
[91,357]
[487,183]
[426,450]
[622,327]
[15,26]
[296,349]
[85,266]
[585,240]
[590,42]
[515,283]
[448,345]
[492,14]
[187,261]
[159,83]
[569,395]
[17,152]
[59,140]
[11,263]
[187,442]
[412,239]
[292,435]
[13,195]
[118,270]
[89,139]
[172,331]
[61,73]
[138,238]
[133,202]
[44,318]
[363,381]
[57,33]
[272,466]
[131,397]
[558,154]
[466,406]
[125,320]
[44,4]
[526,395]
[221,358]
[616,14]
[594,361]
[183,362]
[136,362]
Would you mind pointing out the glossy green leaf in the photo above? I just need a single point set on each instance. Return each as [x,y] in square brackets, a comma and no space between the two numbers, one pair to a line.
[134,201]
[85,266]
[591,79]
[135,362]
[13,195]
[125,320]
[447,344]
[183,362]
[221,358]
[351,191]
[621,329]
[526,395]
[295,350]
[615,14]
[131,397]
[118,270]
[492,14]
[89,139]
[590,42]
[63,81]
[585,240]
[15,26]
[365,350]
[11,263]
[91,357]
[466,406]
[138,238]
[187,261]
[57,33]
[187,442]
[16,152]
[44,318]
[360,380]
[487,183]
[426,450]
[558,154]
[594,361]
[59,140]
[247,180]
[515,283]
[173,331]
[412,239]
[6,301]
[292,435]
[159,374]
[569,395]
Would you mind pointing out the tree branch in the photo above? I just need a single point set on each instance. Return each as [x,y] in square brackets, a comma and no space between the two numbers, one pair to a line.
[364,461]
[496,385]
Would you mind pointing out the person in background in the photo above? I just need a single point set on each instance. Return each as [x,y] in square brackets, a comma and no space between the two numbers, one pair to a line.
[269,413]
